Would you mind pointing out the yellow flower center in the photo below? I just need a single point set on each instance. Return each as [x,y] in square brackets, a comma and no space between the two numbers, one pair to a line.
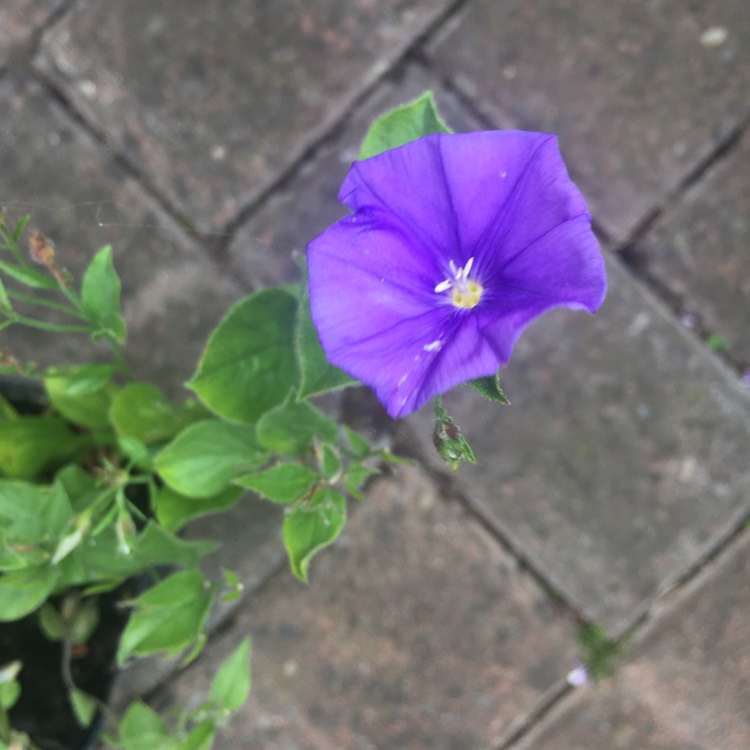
[465,292]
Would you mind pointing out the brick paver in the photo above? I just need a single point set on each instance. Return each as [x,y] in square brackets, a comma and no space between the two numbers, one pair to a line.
[686,688]
[639,92]
[212,99]
[699,252]
[19,20]
[602,471]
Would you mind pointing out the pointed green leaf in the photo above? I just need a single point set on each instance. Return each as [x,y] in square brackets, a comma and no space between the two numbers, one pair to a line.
[168,617]
[173,510]
[141,411]
[231,686]
[403,124]
[28,276]
[200,737]
[83,408]
[20,226]
[317,375]
[207,455]
[249,365]
[22,591]
[32,444]
[283,483]
[142,728]
[490,388]
[100,295]
[30,513]
[84,706]
[291,427]
[82,379]
[311,526]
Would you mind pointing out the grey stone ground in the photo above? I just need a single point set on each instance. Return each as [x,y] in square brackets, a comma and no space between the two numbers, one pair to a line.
[206,140]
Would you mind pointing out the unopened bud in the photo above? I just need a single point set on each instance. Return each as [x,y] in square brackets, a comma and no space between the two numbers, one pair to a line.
[448,440]
[41,249]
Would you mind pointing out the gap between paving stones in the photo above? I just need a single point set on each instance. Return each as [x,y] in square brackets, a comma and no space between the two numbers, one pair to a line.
[661,612]
[397,67]
[216,242]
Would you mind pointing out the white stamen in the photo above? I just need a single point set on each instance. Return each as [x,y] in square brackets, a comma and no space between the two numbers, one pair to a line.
[444,286]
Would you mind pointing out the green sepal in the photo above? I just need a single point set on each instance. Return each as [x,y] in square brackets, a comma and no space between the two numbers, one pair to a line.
[402,125]
[489,387]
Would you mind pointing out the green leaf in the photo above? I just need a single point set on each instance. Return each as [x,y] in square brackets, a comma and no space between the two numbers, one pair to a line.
[82,379]
[142,728]
[311,526]
[317,375]
[98,561]
[28,276]
[291,427]
[173,510]
[231,685]
[32,444]
[22,591]
[30,513]
[200,737]
[490,388]
[10,692]
[11,559]
[84,408]
[100,295]
[51,622]
[5,303]
[403,124]
[283,483]
[206,456]
[84,706]
[451,445]
[168,617]
[79,485]
[249,366]
[141,411]
[330,462]
[355,477]
[20,226]
[359,445]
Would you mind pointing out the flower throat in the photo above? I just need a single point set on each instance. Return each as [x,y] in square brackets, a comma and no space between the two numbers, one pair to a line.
[465,292]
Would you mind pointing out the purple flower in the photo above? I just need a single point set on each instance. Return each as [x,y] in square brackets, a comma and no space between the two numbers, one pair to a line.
[456,243]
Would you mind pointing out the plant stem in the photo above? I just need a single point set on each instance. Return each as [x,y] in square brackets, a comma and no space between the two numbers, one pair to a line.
[20,297]
[55,327]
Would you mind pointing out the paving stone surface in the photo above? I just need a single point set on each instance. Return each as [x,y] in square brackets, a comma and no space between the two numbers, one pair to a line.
[264,250]
[700,252]
[604,470]
[415,631]
[19,20]
[79,197]
[212,100]
[688,686]
[640,92]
